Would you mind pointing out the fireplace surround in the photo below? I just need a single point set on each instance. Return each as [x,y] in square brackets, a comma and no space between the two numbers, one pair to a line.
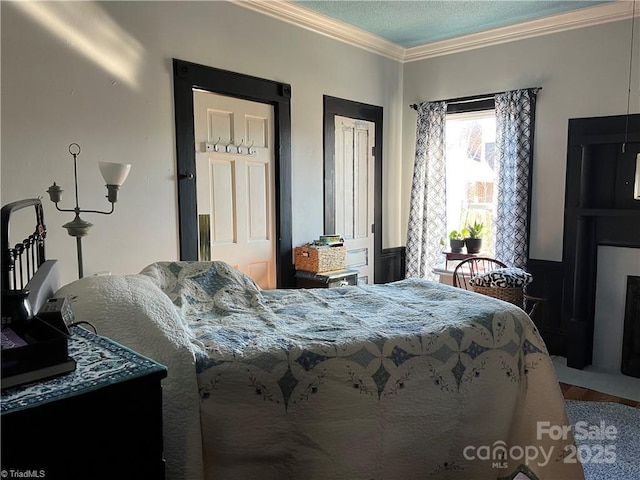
[600,209]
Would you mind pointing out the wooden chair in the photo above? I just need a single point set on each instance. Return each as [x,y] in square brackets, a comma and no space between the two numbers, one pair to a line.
[469,268]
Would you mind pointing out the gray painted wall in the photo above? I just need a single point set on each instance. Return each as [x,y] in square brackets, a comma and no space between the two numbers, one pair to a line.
[109,88]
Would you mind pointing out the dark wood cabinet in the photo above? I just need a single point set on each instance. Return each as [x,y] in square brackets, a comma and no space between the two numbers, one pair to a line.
[392,265]
[102,421]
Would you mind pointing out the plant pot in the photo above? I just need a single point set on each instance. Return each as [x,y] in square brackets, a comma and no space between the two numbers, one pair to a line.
[474,245]
[456,245]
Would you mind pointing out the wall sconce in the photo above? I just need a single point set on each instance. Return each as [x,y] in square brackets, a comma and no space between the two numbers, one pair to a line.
[114,175]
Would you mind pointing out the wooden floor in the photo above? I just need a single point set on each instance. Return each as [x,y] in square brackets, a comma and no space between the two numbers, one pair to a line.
[573,392]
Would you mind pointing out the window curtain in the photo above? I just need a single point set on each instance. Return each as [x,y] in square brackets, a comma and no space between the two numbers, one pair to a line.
[515,118]
[428,212]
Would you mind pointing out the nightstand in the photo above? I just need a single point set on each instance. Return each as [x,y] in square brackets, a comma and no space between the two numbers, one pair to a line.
[338,278]
[102,421]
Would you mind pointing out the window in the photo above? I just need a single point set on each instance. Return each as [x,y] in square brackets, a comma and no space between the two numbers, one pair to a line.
[476,153]
[470,173]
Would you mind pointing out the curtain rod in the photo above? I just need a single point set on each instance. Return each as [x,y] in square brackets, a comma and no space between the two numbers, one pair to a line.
[474,98]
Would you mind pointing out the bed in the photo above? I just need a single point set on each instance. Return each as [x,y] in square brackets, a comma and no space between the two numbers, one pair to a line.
[412,379]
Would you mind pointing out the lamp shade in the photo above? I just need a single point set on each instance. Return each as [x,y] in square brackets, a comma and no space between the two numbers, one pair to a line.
[114,173]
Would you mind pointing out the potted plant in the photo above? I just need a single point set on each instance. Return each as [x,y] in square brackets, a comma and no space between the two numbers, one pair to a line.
[456,241]
[474,239]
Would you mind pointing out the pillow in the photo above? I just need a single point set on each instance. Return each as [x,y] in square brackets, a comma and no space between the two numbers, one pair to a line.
[510,277]
[198,287]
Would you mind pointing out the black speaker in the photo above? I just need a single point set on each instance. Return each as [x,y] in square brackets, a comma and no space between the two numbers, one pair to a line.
[57,313]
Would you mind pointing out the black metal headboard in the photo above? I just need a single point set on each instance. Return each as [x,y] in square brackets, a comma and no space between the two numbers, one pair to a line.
[21,261]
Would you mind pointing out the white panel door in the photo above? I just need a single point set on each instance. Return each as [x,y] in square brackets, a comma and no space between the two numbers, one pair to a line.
[235,184]
[354,192]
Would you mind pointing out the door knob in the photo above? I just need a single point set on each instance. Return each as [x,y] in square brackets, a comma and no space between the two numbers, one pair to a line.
[188,176]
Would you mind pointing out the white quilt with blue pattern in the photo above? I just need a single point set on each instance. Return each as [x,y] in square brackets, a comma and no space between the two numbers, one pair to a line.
[400,381]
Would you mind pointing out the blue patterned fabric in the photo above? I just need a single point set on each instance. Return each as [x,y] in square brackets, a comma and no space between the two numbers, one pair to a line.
[515,113]
[428,208]
[99,362]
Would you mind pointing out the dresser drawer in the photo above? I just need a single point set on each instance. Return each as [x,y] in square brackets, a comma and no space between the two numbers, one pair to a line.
[339,278]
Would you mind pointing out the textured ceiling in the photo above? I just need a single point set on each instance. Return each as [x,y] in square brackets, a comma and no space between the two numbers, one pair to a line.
[418,22]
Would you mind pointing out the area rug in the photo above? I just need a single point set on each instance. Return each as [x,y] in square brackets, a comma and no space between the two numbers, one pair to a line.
[607,437]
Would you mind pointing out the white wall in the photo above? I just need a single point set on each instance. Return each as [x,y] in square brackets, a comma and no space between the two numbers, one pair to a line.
[109,88]
[583,72]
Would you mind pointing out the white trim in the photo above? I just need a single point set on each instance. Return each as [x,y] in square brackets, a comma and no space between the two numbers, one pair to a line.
[302,17]
[584,17]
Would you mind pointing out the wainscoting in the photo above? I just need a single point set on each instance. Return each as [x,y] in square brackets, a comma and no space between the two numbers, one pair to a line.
[392,264]
[548,284]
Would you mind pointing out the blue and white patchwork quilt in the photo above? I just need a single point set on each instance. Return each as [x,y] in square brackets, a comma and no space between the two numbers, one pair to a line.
[410,380]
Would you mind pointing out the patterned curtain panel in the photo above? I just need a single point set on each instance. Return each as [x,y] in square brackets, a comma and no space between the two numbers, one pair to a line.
[428,212]
[515,115]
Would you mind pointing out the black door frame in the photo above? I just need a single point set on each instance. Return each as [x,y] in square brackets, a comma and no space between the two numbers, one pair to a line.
[346,108]
[186,77]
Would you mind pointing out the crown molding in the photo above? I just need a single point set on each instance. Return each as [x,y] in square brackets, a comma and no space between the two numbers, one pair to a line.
[584,17]
[302,17]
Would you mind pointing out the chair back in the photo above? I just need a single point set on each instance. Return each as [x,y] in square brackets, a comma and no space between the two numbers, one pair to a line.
[469,268]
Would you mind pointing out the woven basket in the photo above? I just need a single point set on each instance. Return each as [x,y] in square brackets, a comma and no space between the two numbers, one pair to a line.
[318,259]
[511,295]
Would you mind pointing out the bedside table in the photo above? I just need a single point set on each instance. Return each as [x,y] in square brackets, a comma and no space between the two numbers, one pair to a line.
[102,421]
[338,278]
